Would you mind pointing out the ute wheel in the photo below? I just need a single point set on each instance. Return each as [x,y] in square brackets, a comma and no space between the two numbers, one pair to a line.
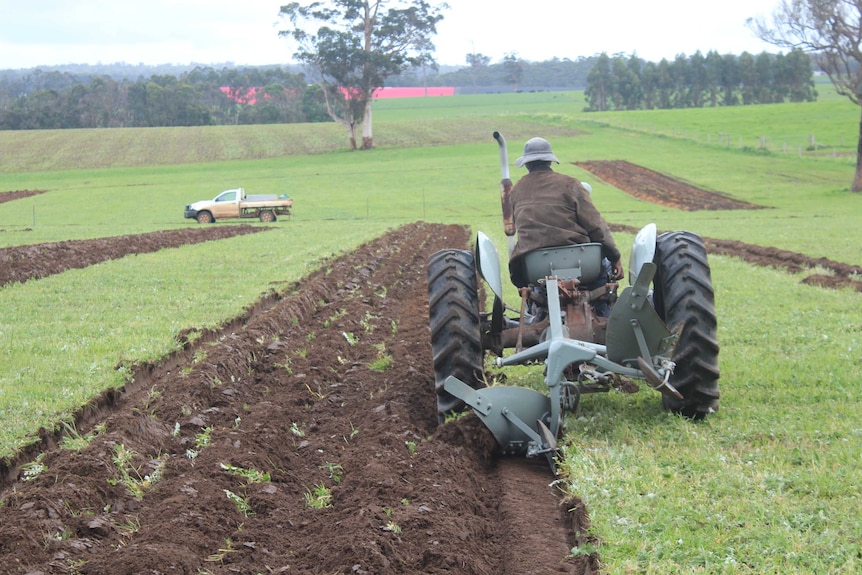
[266,216]
[456,337]
[205,218]
[683,295]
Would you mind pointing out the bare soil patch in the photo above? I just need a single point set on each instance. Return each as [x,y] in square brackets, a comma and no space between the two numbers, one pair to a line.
[839,274]
[22,263]
[328,388]
[842,275]
[19,194]
[661,189]
[665,190]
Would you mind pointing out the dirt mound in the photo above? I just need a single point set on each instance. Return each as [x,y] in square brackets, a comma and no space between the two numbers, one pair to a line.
[328,391]
[661,189]
[22,263]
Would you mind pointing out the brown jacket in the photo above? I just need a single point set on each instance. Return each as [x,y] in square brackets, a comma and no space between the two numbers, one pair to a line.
[552,209]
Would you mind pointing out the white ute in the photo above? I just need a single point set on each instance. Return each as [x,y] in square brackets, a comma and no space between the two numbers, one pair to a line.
[235,204]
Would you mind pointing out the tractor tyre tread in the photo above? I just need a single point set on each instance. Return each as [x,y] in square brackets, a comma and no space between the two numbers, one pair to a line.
[684,296]
[456,338]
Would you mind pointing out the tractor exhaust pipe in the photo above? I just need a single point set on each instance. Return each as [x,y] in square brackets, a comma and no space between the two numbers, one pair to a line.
[505,191]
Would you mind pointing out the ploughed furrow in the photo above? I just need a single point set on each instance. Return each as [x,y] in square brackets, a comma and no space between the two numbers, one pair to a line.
[19,195]
[303,439]
[661,189]
[22,263]
[839,274]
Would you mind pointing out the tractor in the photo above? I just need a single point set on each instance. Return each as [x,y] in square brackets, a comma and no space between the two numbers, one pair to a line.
[661,330]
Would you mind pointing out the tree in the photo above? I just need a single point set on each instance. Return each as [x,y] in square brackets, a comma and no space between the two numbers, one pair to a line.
[649,85]
[626,92]
[713,65]
[747,78]
[832,31]
[514,68]
[680,75]
[478,63]
[352,46]
[600,82]
[697,80]
[666,84]
[799,81]
[730,79]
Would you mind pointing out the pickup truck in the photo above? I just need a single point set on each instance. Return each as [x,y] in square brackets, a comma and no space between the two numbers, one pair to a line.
[235,204]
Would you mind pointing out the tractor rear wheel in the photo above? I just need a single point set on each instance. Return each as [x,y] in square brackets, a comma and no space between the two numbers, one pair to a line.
[683,295]
[456,338]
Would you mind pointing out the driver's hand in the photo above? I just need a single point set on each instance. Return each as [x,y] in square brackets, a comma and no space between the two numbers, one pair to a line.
[617,273]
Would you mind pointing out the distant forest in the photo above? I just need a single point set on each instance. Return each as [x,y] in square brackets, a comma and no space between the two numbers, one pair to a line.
[121,95]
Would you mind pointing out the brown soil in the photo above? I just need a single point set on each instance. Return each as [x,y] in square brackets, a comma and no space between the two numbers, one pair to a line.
[289,390]
[840,274]
[22,263]
[661,189]
[19,194]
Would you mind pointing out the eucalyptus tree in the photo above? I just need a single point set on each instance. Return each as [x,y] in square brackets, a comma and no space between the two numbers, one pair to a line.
[478,65]
[514,70]
[600,83]
[352,46]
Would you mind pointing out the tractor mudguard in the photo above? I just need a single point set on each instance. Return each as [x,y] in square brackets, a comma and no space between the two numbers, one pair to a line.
[488,262]
[643,251]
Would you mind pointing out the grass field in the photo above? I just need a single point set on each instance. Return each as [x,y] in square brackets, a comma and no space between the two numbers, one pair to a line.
[771,484]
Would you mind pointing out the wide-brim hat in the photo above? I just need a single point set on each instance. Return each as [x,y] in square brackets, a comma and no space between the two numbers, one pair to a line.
[537,149]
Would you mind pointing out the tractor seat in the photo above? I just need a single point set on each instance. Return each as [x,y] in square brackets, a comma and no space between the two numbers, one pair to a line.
[580,261]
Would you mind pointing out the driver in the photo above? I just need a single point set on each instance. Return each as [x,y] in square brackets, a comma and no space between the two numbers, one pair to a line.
[552,209]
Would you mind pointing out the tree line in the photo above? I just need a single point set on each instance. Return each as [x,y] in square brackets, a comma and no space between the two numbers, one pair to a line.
[199,97]
[38,99]
[630,83]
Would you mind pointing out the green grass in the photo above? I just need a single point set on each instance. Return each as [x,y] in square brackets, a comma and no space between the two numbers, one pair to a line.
[770,484]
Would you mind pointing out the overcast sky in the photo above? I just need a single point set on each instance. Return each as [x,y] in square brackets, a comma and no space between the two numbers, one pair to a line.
[51,32]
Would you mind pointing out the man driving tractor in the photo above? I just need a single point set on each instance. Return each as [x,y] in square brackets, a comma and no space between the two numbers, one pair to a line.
[552,209]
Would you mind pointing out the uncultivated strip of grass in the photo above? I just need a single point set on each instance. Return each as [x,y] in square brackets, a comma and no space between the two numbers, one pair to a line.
[767,485]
